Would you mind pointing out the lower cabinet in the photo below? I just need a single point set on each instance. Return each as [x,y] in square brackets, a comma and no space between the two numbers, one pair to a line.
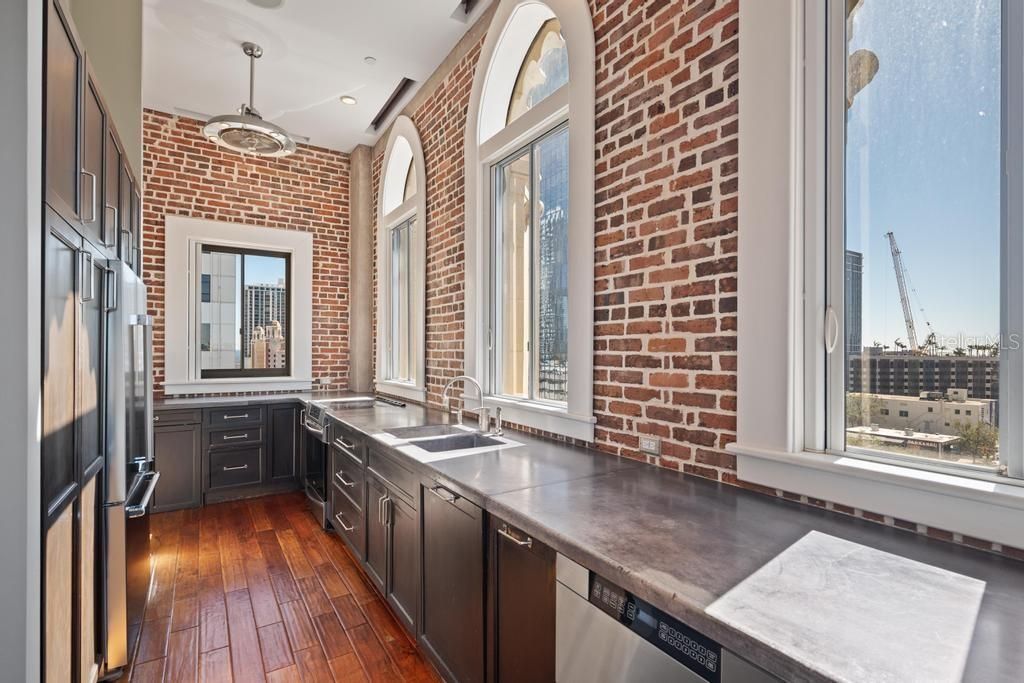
[392,549]
[522,606]
[177,450]
[452,625]
[284,431]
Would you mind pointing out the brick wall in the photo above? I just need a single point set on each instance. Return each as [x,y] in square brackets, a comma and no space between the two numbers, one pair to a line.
[185,175]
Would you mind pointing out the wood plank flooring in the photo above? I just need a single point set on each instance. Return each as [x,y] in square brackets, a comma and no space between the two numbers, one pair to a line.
[255,591]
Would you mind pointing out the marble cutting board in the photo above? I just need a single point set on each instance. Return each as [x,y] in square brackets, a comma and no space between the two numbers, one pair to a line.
[854,613]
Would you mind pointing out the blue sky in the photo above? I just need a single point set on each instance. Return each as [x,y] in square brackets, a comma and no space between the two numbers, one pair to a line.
[923,161]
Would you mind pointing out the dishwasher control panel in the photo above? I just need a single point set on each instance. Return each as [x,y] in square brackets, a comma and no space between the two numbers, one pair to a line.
[697,652]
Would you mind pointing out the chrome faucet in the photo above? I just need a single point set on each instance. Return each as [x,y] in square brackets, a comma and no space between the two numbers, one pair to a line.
[483,412]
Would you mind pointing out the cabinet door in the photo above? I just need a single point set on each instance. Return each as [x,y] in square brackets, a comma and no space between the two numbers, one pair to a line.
[94,129]
[453,583]
[283,463]
[403,560]
[137,229]
[126,248]
[523,606]
[111,189]
[376,532]
[177,450]
[63,86]
[92,359]
[61,312]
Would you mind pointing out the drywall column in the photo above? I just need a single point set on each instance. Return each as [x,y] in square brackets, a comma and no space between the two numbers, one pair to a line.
[21,49]
[360,271]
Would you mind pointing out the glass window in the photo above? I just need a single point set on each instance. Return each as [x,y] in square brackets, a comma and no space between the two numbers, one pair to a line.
[531,271]
[243,313]
[400,337]
[410,182]
[921,166]
[544,70]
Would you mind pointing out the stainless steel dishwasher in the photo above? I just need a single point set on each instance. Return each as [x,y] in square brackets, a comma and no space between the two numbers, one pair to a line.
[604,634]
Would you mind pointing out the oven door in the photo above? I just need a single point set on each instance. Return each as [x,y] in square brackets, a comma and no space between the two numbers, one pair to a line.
[314,469]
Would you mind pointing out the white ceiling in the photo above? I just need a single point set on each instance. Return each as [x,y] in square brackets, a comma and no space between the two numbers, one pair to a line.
[313,53]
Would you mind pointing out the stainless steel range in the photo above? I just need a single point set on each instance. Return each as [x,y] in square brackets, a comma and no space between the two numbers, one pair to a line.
[314,467]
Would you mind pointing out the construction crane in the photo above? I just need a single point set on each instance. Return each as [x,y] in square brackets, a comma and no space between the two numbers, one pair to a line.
[901,282]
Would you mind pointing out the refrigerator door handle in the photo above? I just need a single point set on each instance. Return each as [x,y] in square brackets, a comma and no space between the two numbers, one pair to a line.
[139,509]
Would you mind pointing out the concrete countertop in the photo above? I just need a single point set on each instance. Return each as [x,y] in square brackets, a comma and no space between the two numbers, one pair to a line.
[694,548]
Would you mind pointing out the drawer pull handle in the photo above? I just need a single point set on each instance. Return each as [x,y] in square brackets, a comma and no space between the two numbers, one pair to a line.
[341,442]
[527,543]
[236,436]
[341,521]
[238,467]
[444,494]
[341,477]
[236,417]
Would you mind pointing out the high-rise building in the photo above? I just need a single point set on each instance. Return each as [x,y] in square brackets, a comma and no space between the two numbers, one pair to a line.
[854,300]
[553,257]
[264,305]
[907,374]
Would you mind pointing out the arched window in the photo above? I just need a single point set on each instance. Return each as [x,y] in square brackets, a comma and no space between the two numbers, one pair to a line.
[530,207]
[401,252]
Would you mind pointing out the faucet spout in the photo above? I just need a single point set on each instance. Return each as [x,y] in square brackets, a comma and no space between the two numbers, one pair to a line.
[446,399]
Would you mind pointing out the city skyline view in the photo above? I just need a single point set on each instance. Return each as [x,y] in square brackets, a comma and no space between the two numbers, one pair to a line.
[923,162]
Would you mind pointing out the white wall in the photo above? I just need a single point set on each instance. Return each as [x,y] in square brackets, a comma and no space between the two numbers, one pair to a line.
[21,32]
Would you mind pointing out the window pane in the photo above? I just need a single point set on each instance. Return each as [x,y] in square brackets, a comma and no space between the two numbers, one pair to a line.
[410,182]
[551,164]
[220,311]
[923,229]
[545,69]
[401,327]
[266,312]
[513,276]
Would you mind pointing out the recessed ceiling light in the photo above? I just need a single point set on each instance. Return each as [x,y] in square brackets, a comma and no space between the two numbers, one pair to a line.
[370,60]
[348,99]
[267,4]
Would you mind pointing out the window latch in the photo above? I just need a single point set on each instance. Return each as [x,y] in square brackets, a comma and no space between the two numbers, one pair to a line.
[831,330]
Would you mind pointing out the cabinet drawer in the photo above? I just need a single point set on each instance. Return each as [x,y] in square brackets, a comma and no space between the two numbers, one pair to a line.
[235,466]
[241,416]
[347,520]
[343,439]
[395,474]
[177,417]
[347,476]
[236,437]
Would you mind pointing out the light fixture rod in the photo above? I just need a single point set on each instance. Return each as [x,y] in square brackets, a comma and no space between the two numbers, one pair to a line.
[254,52]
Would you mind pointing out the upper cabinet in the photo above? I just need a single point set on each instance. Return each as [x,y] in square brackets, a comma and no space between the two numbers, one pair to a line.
[88,181]
[64,70]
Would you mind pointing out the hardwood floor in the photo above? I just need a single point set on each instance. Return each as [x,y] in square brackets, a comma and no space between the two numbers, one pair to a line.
[255,591]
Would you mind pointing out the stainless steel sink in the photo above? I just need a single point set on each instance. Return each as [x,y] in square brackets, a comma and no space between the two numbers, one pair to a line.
[425,431]
[458,442]
[344,403]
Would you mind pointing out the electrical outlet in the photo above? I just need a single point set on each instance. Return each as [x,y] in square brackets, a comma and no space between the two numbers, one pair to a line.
[650,444]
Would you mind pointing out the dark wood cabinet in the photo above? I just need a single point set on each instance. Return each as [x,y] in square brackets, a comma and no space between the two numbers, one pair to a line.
[177,449]
[93,147]
[403,592]
[452,625]
[112,160]
[283,426]
[64,70]
[376,533]
[521,605]
[92,358]
[61,318]
[125,239]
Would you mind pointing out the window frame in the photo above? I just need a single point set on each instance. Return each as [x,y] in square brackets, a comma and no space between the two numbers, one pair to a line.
[488,140]
[393,210]
[243,372]
[784,400]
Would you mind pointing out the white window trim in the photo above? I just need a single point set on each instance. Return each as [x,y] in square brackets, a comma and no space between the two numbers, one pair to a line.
[414,207]
[181,282]
[781,358]
[575,103]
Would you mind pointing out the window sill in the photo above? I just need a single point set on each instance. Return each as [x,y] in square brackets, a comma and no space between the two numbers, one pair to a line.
[974,507]
[408,391]
[232,385]
[545,417]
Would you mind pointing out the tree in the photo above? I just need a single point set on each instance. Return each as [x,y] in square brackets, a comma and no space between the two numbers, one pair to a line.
[979,439]
[860,408]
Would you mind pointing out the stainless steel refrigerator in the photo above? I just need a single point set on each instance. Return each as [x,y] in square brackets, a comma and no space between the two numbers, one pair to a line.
[130,474]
